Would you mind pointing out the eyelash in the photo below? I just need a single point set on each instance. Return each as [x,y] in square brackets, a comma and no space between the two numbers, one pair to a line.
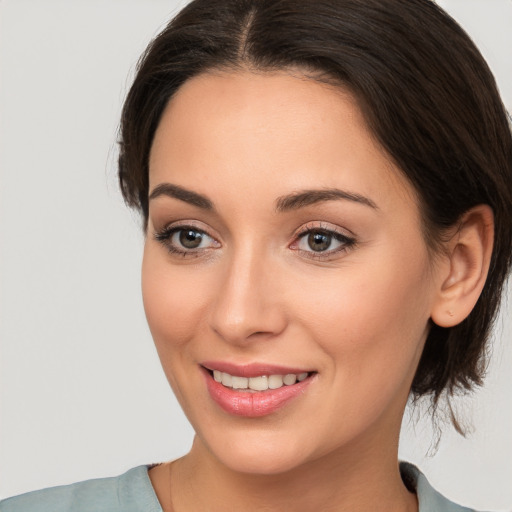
[346,242]
[165,235]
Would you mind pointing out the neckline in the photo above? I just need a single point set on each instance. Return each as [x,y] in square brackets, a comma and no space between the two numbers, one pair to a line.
[413,478]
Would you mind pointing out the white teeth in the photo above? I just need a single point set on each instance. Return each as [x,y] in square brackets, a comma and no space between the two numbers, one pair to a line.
[260,383]
[226,379]
[275,381]
[290,379]
[239,382]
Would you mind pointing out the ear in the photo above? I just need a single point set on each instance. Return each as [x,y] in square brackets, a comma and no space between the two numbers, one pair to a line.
[464,271]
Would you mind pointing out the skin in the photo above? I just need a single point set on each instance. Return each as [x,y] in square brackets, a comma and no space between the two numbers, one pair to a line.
[255,291]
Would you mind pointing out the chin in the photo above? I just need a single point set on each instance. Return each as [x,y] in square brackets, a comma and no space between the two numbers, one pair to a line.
[259,464]
[264,454]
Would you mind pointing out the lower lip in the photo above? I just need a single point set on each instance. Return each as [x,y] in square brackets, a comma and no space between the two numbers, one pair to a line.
[253,404]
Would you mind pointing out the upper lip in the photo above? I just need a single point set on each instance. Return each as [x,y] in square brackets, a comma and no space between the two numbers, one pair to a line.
[252,369]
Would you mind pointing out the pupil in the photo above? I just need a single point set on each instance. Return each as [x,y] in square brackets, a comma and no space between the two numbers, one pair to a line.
[190,239]
[319,241]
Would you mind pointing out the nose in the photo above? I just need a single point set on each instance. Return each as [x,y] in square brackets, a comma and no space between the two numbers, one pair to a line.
[247,305]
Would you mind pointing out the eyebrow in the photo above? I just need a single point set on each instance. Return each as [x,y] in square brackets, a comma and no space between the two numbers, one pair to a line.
[285,203]
[305,198]
[183,194]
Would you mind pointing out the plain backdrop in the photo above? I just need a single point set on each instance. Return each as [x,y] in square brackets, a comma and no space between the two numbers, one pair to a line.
[82,392]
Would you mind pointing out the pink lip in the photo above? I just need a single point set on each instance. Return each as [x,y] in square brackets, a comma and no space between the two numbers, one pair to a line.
[254,404]
[251,370]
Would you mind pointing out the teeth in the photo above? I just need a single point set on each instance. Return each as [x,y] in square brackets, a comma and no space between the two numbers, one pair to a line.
[226,380]
[239,382]
[275,381]
[290,379]
[261,383]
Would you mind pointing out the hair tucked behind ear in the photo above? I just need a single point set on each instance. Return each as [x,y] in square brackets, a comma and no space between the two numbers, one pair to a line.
[426,93]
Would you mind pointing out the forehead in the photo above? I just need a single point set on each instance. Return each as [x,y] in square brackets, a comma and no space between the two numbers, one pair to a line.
[236,130]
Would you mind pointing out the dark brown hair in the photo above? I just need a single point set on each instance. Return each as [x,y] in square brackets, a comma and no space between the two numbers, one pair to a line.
[426,93]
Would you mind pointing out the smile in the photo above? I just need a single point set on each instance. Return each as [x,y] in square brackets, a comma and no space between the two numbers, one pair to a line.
[255,390]
[259,383]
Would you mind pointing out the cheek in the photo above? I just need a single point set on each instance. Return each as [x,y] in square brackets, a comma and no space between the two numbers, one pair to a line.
[174,302]
[174,299]
[373,318]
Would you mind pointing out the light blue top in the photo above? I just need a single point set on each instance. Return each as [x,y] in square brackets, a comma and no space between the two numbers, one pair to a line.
[133,492]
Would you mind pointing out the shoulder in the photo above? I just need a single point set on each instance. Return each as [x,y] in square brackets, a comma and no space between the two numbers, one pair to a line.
[131,491]
[428,498]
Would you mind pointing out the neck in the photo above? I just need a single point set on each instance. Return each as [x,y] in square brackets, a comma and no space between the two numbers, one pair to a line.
[354,480]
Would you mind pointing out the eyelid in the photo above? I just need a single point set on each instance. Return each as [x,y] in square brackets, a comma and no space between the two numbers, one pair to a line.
[188,223]
[323,226]
[165,234]
[346,238]
[185,223]
[343,236]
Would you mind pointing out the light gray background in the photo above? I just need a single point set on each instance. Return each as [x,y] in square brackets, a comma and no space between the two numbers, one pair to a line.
[82,393]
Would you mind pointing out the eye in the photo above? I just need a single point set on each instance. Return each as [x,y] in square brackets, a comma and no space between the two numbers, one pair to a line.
[186,240]
[320,242]
[189,238]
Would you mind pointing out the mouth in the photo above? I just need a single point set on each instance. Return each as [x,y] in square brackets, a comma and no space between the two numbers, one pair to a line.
[259,383]
[254,390]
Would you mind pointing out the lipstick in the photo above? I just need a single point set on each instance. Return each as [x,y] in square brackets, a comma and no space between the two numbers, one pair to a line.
[248,402]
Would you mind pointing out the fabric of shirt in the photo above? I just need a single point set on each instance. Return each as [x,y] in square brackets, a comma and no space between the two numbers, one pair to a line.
[133,492]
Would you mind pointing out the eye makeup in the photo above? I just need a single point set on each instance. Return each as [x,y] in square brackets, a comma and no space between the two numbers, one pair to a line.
[322,241]
[186,240]
[315,240]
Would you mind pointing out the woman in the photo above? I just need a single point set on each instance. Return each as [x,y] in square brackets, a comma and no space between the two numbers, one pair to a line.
[325,189]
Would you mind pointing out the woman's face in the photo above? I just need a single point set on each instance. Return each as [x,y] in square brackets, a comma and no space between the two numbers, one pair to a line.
[282,241]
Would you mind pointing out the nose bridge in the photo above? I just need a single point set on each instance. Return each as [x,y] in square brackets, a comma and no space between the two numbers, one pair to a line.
[246,302]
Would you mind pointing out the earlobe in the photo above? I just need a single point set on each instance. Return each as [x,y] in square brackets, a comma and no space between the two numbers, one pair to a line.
[468,256]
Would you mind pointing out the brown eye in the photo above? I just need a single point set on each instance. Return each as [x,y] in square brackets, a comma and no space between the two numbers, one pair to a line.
[323,243]
[190,238]
[186,240]
[319,241]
